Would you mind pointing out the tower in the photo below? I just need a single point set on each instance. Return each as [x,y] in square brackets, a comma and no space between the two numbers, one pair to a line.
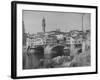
[24,34]
[43,24]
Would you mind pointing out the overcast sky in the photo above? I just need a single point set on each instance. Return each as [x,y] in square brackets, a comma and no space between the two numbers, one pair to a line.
[54,20]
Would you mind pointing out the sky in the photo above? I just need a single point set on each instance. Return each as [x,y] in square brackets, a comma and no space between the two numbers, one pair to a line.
[65,21]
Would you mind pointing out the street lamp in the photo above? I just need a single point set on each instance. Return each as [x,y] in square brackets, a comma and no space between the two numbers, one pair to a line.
[83,21]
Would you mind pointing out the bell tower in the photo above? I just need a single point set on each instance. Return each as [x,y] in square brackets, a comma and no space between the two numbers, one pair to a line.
[43,24]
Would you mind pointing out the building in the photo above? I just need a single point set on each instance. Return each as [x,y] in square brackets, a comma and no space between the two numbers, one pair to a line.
[51,40]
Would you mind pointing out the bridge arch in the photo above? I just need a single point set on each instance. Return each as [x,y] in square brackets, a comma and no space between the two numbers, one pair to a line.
[53,51]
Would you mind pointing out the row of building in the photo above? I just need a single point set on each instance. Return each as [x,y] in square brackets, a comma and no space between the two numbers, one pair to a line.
[74,37]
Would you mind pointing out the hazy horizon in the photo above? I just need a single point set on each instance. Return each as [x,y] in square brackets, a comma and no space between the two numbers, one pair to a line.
[54,20]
